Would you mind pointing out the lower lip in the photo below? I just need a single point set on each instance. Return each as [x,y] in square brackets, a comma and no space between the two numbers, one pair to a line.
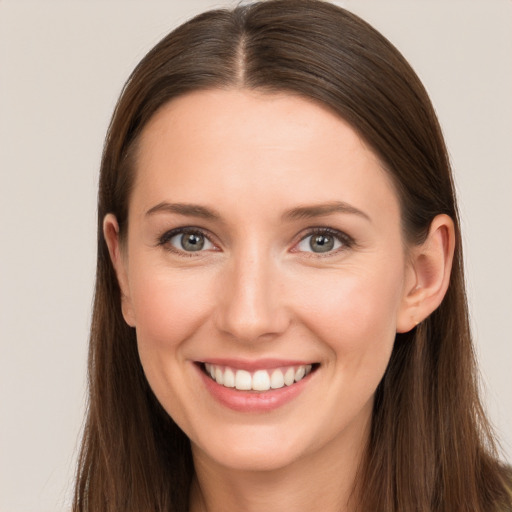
[253,401]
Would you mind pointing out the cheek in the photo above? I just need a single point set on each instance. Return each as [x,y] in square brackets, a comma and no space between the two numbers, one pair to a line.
[355,312]
[168,307]
[354,317]
[169,310]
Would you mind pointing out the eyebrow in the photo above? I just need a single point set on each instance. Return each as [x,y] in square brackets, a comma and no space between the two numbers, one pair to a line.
[193,210]
[319,210]
[298,213]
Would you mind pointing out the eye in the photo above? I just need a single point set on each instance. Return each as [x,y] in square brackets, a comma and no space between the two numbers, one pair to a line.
[323,241]
[186,240]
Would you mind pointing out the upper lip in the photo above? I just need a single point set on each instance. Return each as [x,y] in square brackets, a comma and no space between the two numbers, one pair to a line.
[257,364]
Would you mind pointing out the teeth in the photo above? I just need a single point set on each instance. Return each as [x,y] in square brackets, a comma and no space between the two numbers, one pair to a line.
[299,374]
[243,380]
[229,378]
[260,380]
[289,377]
[277,379]
[219,376]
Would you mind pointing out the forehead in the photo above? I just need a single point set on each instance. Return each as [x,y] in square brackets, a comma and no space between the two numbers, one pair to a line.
[216,144]
[248,118]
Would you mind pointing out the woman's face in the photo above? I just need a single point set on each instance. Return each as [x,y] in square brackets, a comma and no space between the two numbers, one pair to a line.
[264,248]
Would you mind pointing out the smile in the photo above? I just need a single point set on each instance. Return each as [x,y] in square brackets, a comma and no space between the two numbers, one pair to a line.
[258,380]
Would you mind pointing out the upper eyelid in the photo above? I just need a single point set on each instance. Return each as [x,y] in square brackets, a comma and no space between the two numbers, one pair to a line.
[347,242]
[344,237]
[167,235]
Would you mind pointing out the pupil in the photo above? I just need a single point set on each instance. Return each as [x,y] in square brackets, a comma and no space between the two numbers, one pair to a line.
[192,242]
[321,243]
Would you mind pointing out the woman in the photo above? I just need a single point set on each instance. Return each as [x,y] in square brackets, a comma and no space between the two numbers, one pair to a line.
[280,318]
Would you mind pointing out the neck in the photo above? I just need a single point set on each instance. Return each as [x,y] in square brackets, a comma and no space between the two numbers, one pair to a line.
[323,481]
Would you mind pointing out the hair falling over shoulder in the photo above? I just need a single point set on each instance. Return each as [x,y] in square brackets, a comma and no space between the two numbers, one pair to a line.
[431,446]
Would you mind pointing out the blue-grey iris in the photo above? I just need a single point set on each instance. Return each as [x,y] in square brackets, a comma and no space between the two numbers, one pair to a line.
[192,241]
[321,243]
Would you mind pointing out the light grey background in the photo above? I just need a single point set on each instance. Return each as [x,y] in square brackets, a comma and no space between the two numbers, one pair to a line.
[62,66]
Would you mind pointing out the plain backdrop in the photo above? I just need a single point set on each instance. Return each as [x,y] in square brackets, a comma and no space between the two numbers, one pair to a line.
[62,66]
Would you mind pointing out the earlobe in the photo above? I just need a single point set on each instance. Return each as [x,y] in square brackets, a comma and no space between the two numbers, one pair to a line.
[428,274]
[111,234]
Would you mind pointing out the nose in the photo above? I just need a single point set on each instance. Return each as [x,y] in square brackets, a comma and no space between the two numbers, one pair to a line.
[251,305]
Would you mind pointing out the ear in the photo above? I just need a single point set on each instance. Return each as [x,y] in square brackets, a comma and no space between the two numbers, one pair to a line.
[428,274]
[111,234]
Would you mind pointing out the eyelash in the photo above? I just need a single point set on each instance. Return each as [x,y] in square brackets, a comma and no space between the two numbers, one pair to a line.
[164,239]
[346,241]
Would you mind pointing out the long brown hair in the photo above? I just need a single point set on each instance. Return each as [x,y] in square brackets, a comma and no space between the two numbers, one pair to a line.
[431,447]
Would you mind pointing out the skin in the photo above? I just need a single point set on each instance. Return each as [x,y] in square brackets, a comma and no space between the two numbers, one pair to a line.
[258,290]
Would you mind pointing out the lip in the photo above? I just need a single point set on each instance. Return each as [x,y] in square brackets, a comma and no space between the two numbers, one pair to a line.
[253,401]
[252,366]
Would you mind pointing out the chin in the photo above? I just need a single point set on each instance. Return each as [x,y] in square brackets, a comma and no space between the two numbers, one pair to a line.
[251,460]
[261,449]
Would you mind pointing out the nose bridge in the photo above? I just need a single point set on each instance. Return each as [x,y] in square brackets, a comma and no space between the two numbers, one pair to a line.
[251,305]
